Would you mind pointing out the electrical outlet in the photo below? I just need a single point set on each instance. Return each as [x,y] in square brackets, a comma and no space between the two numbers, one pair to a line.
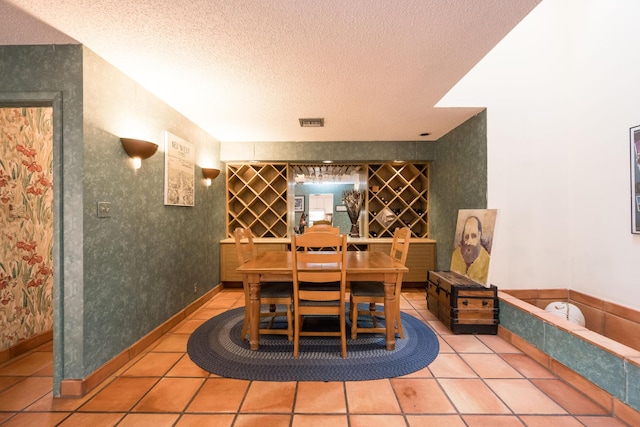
[104,209]
[195,288]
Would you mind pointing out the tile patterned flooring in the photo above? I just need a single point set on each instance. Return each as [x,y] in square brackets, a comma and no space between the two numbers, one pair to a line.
[475,381]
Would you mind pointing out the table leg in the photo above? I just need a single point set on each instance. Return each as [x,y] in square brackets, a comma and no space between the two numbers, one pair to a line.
[254,310]
[390,309]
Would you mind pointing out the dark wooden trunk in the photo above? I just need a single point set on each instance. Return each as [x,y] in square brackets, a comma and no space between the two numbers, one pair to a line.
[463,305]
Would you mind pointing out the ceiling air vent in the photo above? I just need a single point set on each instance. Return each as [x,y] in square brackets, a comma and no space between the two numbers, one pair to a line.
[311,123]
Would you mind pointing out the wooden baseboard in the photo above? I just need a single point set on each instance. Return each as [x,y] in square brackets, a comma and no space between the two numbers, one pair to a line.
[71,387]
[422,285]
[232,285]
[26,345]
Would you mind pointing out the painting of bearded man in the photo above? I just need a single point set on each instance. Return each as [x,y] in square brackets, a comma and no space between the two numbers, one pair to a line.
[474,238]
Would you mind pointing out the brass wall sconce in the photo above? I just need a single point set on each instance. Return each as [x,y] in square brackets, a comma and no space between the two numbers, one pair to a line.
[210,174]
[138,150]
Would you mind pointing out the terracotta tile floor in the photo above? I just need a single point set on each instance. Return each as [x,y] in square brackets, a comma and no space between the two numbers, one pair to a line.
[475,381]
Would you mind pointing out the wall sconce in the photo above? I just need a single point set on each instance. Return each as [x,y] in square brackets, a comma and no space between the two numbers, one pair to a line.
[210,174]
[138,150]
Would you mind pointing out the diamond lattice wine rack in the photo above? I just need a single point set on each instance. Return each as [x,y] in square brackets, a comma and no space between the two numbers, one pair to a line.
[398,197]
[257,198]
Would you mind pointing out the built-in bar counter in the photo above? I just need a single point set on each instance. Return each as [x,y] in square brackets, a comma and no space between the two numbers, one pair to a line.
[421,257]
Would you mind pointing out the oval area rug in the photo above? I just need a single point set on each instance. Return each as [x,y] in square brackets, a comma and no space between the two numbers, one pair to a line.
[215,346]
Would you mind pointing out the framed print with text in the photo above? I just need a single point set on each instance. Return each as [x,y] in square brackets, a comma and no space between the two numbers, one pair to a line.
[179,171]
[635,179]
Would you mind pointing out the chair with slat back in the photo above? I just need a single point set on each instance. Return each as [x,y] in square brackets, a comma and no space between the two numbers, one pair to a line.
[372,293]
[328,228]
[315,228]
[271,293]
[319,282]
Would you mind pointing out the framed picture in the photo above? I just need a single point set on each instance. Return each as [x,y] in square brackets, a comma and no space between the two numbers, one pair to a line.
[635,179]
[473,243]
[179,171]
[298,203]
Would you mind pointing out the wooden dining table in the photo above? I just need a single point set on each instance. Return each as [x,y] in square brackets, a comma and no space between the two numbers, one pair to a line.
[276,266]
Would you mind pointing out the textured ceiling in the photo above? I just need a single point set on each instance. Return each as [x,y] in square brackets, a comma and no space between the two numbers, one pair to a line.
[246,70]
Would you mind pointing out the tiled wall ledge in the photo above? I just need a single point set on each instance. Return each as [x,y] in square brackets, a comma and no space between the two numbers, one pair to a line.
[79,387]
[605,370]
[620,323]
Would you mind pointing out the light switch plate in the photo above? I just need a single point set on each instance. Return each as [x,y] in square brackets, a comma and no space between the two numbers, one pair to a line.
[104,209]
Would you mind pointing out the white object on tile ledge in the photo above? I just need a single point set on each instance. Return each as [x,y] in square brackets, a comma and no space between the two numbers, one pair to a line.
[567,311]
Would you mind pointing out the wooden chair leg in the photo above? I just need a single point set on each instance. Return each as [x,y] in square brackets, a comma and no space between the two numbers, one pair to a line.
[354,320]
[343,335]
[296,336]
[372,312]
[289,323]
[399,322]
[271,320]
[245,324]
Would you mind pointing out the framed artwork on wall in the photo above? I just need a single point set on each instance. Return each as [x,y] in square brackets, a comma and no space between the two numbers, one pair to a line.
[298,203]
[635,179]
[179,171]
[471,256]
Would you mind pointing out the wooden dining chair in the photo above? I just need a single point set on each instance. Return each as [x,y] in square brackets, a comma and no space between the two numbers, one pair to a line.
[271,293]
[319,282]
[372,293]
[328,228]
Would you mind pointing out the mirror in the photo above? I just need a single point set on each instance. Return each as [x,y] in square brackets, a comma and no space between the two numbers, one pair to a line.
[320,208]
[323,185]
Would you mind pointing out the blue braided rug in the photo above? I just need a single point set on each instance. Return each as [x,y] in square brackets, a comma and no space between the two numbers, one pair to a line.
[217,348]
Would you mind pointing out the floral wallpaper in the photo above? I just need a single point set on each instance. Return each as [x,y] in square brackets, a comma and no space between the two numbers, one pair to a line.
[26,221]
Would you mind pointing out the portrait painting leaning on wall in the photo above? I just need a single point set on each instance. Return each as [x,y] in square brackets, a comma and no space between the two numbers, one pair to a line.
[473,242]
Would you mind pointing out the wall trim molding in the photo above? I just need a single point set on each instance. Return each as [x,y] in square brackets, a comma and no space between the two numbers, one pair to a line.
[26,345]
[70,387]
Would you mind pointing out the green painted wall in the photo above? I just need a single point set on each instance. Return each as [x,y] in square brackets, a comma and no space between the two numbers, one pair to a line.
[52,75]
[458,181]
[141,264]
[117,278]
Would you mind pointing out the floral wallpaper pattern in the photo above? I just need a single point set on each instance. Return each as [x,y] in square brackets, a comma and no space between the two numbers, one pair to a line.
[26,221]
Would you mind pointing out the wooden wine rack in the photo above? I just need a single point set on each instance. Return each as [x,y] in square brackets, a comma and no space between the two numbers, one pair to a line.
[398,197]
[257,198]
